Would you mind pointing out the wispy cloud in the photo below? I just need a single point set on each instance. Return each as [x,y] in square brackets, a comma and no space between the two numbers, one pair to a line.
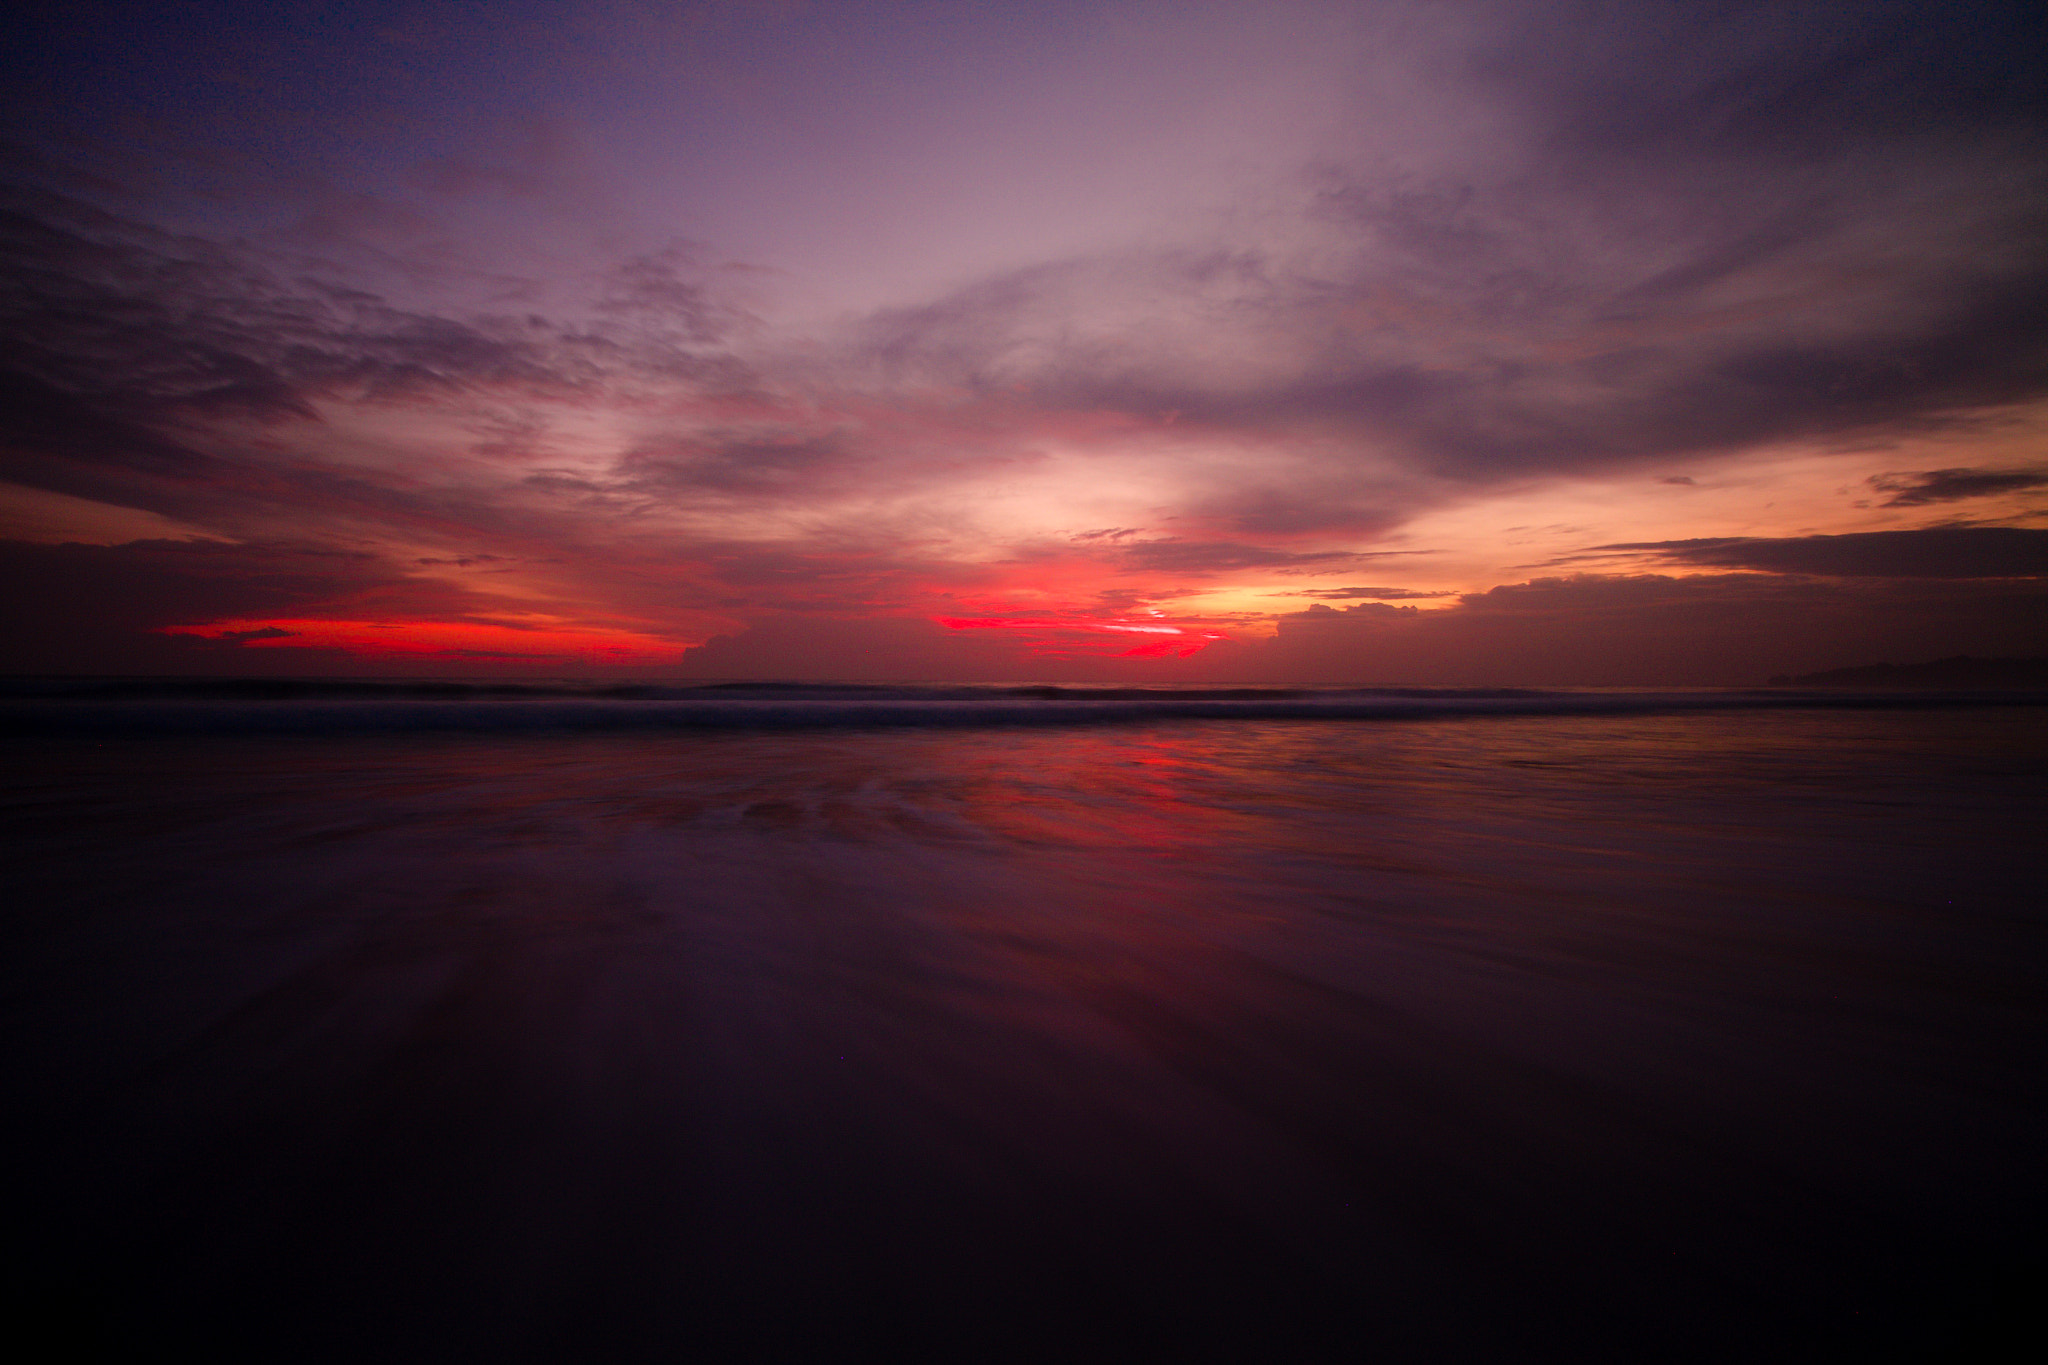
[1952,485]
[1938,552]
[1285,284]
[1366,594]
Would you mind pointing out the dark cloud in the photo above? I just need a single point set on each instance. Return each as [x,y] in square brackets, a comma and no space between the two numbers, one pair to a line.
[1321,614]
[1775,82]
[1585,235]
[1361,556]
[1713,225]
[134,317]
[97,608]
[151,370]
[1512,368]
[1941,552]
[740,464]
[1581,629]
[1952,485]
[74,431]
[664,292]
[1597,594]
[1218,556]
[88,446]
[1598,629]
[1339,506]
[1128,601]
[150,324]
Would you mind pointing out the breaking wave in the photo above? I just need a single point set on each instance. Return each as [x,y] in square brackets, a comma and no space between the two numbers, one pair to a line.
[183,706]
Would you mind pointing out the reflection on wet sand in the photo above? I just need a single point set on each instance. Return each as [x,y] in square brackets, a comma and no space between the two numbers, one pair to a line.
[1554,1038]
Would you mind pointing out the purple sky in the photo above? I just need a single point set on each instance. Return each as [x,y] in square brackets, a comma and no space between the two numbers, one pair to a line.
[1469,343]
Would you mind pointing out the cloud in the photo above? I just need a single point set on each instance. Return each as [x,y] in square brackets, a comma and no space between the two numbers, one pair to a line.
[1952,485]
[1066,636]
[1503,247]
[158,324]
[1940,552]
[664,293]
[1452,340]
[96,608]
[1652,629]
[1211,557]
[1702,230]
[114,608]
[775,462]
[129,316]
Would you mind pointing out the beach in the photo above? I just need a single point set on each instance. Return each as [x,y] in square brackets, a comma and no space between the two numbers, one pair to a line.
[1593,1032]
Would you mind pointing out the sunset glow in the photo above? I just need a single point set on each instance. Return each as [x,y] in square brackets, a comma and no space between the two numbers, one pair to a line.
[1052,636]
[1085,681]
[1107,340]
[452,641]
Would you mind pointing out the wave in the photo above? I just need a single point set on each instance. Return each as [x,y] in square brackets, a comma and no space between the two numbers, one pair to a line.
[183,706]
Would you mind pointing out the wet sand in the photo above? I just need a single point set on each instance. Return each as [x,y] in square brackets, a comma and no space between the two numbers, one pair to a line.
[1555,1038]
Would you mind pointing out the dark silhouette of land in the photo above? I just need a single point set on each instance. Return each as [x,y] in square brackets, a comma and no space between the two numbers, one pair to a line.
[1960,671]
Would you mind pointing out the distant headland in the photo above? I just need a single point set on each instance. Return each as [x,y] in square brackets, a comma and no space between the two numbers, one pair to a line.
[1960,671]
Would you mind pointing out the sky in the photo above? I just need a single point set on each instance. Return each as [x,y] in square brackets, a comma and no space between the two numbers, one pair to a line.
[1479,343]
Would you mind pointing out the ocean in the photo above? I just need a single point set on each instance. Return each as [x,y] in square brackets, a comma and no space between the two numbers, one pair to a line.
[437,1021]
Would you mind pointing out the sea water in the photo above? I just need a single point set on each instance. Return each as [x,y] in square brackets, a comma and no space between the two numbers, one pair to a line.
[1209,1024]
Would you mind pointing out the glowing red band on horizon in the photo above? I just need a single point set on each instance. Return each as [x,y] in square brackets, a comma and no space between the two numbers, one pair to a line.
[1183,643]
[1048,623]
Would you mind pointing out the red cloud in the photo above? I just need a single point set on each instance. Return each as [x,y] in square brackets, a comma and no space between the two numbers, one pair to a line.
[1180,641]
[428,639]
